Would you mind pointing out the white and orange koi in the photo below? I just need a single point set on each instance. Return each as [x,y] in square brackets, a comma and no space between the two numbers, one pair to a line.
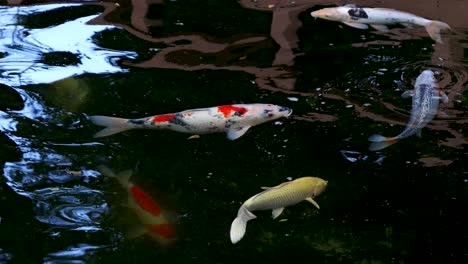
[379,18]
[155,221]
[426,97]
[234,120]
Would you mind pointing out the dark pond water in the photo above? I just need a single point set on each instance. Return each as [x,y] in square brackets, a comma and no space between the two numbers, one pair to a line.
[60,63]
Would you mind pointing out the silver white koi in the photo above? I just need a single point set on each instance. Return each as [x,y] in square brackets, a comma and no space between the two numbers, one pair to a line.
[379,18]
[426,97]
[234,120]
[276,198]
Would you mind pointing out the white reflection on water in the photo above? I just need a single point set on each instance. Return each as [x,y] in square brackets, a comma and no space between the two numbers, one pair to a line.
[73,254]
[33,107]
[23,48]
[7,123]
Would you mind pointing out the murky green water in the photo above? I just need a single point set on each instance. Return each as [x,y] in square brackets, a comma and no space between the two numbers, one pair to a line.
[60,63]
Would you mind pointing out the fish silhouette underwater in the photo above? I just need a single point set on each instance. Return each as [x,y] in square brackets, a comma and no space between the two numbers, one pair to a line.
[155,221]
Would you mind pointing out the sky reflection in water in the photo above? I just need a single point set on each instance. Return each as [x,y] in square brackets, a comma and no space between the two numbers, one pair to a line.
[25,47]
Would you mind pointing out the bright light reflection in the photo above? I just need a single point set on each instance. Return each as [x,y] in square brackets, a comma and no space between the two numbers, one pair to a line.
[24,47]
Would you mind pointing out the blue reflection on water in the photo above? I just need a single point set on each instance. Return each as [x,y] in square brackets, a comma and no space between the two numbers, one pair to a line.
[78,208]
[23,48]
[49,178]
[73,254]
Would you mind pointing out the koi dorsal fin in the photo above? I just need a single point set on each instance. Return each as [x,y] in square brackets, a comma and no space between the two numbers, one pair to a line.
[352,6]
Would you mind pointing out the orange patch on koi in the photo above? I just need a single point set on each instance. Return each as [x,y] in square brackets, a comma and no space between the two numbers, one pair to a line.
[228,109]
[145,201]
[164,230]
[162,118]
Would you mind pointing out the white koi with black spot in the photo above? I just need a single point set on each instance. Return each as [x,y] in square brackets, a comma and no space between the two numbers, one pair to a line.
[379,18]
[234,120]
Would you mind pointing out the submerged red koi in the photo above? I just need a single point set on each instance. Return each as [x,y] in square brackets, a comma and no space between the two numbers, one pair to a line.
[228,109]
[164,230]
[145,201]
[154,221]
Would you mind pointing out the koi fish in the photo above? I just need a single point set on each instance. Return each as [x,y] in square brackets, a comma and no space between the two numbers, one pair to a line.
[155,221]
[276,198]
[426,97]
[378,18]
[235,120]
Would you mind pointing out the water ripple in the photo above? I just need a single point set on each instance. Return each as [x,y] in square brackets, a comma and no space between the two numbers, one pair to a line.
[25,50]
[77,208]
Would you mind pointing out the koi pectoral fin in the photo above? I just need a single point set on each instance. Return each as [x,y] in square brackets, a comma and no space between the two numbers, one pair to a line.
[407,94]
[237,132]
[382,28]
[418,133]
[309,199]
[443,97]
[408,25]
[357,25]
[276,212]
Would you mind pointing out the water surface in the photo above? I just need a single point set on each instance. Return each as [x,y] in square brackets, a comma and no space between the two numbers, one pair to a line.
[61,62]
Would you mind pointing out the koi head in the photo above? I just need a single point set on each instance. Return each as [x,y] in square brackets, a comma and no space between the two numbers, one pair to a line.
[270,111]
[319,186]
[426,78]
[329,13]
[260,113]
[314,185]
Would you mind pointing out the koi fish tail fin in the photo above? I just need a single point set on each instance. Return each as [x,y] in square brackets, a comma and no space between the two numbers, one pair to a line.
[113,125]
[434,28]
[123,177]
[239,224]
[381,142]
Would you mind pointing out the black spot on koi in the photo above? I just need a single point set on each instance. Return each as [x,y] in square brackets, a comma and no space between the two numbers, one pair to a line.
[357,13]
[238,113]
[179,122]
[229,123]
[138,122]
